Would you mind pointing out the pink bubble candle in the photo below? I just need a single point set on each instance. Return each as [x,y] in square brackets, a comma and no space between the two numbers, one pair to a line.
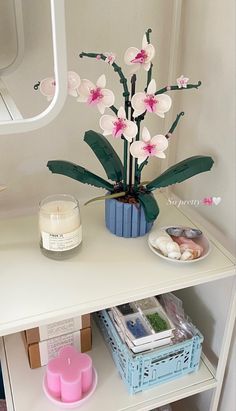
[69,376]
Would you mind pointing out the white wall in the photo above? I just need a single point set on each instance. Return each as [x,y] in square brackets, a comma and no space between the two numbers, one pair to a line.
[91,26]
[207,52]
[208,127]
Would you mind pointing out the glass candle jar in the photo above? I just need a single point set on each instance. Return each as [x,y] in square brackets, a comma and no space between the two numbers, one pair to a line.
[59,226]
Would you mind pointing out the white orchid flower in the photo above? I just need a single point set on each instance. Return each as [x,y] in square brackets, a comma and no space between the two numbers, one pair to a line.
[96,95]
[118,125]
[48,85]
[158,104]
[140,58]
[148,146]
[182,81]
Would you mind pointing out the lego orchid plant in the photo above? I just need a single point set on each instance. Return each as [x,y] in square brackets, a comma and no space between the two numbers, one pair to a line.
[125,124]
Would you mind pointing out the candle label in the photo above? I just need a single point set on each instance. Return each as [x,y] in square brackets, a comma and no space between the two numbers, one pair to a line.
[62,242]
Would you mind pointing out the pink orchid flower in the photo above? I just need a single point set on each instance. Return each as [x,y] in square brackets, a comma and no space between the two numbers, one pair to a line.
[182,81]
[110,58]
[158,104]
[118,126]
[149,147]
[140,58]
[48,85]
[96,95]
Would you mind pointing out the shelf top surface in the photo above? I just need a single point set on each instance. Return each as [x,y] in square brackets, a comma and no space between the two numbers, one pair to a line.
[107,270]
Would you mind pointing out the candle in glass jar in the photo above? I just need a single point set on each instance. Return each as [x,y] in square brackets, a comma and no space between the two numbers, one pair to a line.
[59,225]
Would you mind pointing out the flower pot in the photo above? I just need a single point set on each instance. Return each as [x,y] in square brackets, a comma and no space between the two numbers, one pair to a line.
[125,219]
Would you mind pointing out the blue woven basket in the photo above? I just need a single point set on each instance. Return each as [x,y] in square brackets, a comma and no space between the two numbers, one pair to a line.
[125,220]
[146,370]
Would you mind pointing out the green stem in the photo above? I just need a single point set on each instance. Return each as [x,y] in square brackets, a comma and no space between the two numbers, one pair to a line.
[170,88]
[136,175]
[125,154]
[174,125]
[133,82]
[125,157]
[149,77]
[114,109]
[148,32]
[116,68]
[149,73]
[140,168]
[123,81]
[36,86]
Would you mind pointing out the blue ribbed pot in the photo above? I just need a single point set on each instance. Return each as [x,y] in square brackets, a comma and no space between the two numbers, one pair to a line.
[125,220]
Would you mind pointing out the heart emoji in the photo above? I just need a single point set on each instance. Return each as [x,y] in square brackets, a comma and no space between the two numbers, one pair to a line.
[216,200]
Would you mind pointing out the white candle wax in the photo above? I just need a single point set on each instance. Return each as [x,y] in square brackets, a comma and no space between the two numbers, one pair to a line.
[59,225]
[59,217]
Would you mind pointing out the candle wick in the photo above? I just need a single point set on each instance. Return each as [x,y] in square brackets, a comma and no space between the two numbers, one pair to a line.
[68,361]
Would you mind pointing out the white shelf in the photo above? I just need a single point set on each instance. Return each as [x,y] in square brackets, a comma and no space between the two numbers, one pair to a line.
[6,377]
[111,393]
[107,271]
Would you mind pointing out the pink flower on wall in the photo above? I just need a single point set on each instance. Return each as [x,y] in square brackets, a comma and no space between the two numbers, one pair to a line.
[140,57]
[96,95]
[158,104]
[182,81]
[118,125]
[149,147]
[48,85]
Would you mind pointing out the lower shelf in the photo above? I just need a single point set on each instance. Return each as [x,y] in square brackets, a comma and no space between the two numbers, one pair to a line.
[111,393]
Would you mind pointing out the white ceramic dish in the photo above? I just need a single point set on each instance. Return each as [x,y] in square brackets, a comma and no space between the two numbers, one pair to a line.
[70,405]
[202,240]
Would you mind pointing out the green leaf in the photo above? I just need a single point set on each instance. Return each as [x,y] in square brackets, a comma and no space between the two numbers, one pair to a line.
[181,171]
[106,154]
[150,206]
[78,173]
[115,195]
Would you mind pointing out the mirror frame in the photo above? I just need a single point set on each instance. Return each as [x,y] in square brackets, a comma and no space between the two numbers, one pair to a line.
[21,125]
